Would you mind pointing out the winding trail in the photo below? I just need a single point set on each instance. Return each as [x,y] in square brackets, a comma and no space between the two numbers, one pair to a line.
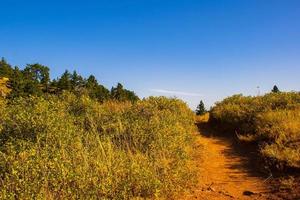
[225,171]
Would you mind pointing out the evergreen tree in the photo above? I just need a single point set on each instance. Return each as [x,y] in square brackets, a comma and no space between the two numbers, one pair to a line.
[131,96]
[275,89]
[91,82]
[37,78]
[64,82]
[96,90]
[38,73]
[200,109]
[102,93]
[121,94]
[5,69]
[17,83]
[77,82]
[118,92]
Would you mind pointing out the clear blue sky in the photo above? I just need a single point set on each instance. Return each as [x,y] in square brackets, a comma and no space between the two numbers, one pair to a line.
[192,49]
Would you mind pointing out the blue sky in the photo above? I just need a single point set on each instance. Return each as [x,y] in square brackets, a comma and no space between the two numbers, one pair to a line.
[191,49]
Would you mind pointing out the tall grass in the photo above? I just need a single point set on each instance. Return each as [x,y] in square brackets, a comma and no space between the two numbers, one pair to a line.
[72,147]
[272,120]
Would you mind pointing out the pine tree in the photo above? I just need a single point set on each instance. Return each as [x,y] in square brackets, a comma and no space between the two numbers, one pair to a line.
[77,81]
[91,82]
[118,92]
[275,89]
[64,83]
[5,69]
[96,90]
[121,94]
[37,78]
[17,83]
[200,109]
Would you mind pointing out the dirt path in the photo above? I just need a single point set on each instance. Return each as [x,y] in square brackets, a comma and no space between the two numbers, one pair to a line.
[224,172]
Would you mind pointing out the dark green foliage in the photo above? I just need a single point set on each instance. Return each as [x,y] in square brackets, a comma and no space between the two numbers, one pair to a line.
[34,79]
[200,109]
[275,89]
[96,90]
[37,73]
[77,81]
[17,83]
[64,82]
[5,69]
[121,94]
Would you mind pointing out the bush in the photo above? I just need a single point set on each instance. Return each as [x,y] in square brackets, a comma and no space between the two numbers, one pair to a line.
[72,147]
[272,120]
[281,129]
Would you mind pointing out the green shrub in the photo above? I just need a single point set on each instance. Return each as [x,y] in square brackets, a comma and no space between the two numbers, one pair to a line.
[72,147]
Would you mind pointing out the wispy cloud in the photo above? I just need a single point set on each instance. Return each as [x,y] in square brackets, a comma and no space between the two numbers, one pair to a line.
[176,92]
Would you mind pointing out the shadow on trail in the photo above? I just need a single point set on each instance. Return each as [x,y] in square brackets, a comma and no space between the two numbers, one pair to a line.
[243,163]
[244,155]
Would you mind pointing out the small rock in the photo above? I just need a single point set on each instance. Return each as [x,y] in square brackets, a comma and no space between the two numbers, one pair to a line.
[248,193]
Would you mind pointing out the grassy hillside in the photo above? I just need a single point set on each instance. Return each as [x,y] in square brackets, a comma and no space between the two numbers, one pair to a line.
[69,147]
[272,121]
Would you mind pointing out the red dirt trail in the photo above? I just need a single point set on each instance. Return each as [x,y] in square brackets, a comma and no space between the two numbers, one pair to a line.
[225,173]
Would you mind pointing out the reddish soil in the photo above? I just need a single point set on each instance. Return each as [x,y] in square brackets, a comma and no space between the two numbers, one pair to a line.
[227,171]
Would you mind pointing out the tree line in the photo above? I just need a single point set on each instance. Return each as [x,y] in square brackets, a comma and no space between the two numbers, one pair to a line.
[35,79]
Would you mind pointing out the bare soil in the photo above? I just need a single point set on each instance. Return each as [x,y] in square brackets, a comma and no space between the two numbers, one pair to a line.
[227,170]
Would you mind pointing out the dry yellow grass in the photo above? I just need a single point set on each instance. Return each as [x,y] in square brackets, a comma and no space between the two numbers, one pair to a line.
[202,118]
[73,147]
[272,120]
[4,90]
